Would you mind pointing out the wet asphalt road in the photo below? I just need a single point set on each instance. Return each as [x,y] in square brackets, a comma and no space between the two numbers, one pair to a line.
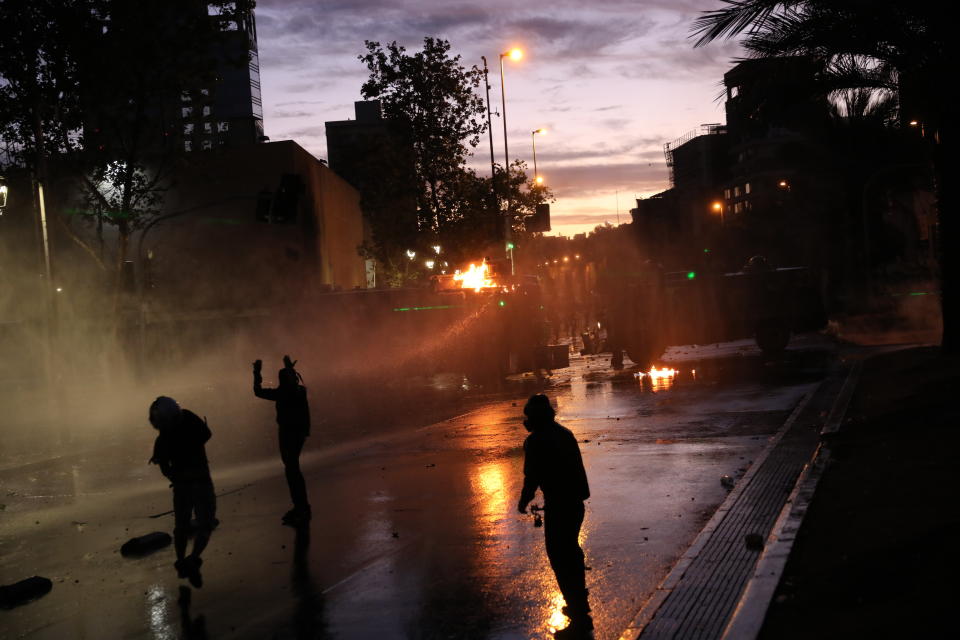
[415,531]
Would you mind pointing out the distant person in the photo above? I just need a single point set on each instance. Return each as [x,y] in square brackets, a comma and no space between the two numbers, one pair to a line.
[180,452]
[553,464]
[293,420]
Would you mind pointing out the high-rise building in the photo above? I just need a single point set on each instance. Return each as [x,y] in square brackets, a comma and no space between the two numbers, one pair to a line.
[230,112]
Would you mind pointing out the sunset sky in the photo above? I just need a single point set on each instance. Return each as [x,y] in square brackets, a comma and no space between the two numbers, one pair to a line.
[612,81]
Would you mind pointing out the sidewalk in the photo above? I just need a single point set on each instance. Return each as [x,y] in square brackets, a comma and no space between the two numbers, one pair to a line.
[872,558]
[874,512]
[699,596]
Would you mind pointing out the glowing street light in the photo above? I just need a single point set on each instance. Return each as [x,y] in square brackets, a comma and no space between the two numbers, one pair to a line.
[436,249]
[411,254]
[3,194]
[429,264]
[717,207]
[513,54]
[533,138]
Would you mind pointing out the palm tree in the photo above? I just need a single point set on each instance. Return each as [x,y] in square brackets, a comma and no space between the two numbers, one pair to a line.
[870,45]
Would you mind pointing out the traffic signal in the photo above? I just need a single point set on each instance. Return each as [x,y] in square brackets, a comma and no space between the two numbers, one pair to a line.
[539,221]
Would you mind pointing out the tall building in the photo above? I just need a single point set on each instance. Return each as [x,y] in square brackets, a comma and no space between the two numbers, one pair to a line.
[230,112]
[375,155]
[198,83]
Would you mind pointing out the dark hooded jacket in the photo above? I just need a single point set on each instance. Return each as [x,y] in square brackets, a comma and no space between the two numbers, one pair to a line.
[293,412]
[179,449]
[553,463]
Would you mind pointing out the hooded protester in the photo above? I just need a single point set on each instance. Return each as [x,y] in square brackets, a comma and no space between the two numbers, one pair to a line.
[552,463]
[180,452]
[293,420]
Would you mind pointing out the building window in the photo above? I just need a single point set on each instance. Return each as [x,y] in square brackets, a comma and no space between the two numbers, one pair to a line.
[223,126]
[206,145]
[746,188]
[188,129]
[186,112]
[208,127]
[726,194]
[206,111]
[185,96]
[736,192]
[187,145]
[737,208]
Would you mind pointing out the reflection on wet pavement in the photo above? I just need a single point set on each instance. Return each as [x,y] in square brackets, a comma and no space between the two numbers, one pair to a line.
[159,614]
[415,533]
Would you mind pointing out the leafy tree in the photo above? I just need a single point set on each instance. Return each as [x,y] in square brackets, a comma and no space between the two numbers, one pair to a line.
[886,45]
[433,107]
[432,98]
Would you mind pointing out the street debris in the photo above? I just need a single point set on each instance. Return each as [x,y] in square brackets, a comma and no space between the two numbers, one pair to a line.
[727,482]
[142,545]
[18,593]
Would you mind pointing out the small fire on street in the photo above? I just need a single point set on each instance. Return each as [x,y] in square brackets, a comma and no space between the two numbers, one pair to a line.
[475,277]
[658,379]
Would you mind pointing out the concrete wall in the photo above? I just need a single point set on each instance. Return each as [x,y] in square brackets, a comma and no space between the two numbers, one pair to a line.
[213,252]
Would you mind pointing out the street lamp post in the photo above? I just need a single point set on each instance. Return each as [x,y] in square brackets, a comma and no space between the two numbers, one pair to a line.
[513,54]
[718,207]
[486,83]
[533,137]
[494,202]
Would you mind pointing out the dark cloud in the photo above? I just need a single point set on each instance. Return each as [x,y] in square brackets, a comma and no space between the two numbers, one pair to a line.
[638,147]
[309,49]
[292,103]
[282,114]
[678,59]
[298,29]
[309,132]
[595,179]
[595,218]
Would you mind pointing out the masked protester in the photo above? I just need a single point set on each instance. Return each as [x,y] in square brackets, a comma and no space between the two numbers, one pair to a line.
[180,452]
[293,420]
[552,463]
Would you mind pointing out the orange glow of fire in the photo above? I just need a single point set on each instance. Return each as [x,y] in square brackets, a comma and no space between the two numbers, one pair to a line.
[660,374]
[475,277]
[660,379]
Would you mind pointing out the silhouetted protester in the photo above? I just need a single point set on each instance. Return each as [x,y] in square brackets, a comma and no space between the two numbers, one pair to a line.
[180,452]
[553,464]
[293,420]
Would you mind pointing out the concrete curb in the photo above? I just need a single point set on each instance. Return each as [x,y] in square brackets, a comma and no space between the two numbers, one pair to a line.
[751,610]
[650,607]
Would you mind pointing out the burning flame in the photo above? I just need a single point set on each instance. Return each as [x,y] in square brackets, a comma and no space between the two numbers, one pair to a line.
[475,277]
[660,379]
[660,374]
